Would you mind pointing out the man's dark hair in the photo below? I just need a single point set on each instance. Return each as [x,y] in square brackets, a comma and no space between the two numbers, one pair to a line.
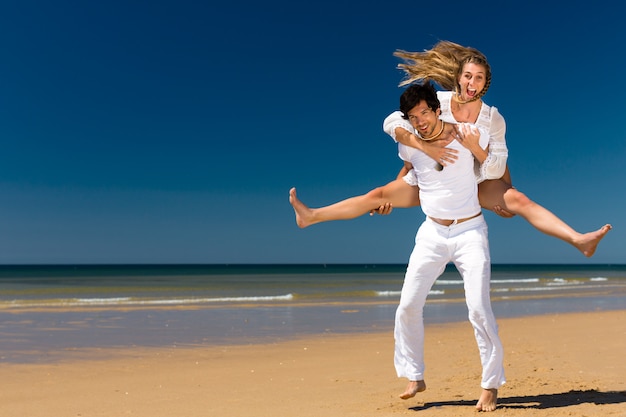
[416,93]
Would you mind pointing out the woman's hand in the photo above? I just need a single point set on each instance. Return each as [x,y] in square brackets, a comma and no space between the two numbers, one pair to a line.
[469,137]
[445,156]
[437,148]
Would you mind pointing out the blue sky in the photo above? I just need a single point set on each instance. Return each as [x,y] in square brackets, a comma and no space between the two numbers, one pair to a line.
[171,131]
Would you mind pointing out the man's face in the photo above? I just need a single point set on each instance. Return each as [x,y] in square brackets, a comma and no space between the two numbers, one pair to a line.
[423,119]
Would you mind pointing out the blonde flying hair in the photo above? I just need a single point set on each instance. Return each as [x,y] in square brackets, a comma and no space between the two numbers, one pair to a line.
[443,64]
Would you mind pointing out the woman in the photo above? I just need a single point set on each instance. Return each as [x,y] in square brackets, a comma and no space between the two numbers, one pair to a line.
[467,72]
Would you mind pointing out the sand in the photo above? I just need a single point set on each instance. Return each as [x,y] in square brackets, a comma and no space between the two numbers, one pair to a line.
[557,365]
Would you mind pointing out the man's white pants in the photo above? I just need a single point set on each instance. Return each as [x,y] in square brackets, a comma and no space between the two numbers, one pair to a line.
[467,246]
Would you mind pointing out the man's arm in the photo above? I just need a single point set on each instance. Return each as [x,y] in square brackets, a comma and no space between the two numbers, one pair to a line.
[387,208]
[404,170]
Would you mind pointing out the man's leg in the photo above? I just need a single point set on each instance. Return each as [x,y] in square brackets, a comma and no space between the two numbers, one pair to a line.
[426,263]
[473,261]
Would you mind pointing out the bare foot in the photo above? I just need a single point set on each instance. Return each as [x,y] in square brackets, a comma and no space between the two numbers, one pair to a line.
[413,388]
[304,215]
[488,400]
[588,242]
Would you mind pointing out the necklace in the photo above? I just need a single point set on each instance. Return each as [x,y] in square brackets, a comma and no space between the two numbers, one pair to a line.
[443,125]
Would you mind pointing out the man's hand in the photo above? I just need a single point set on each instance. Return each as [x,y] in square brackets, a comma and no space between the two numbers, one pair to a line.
[383,210]
[502,212]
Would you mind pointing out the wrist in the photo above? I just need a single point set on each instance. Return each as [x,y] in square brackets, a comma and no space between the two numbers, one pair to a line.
[417,142]
[480,154]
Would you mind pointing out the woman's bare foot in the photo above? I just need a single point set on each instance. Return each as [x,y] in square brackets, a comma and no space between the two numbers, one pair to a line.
[413,388]
[588,242]
[304,215]
[488,400]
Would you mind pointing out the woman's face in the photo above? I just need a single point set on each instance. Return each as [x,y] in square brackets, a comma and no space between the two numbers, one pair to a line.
[472,81]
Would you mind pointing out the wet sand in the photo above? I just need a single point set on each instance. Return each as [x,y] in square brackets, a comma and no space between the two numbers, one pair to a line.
[557,365]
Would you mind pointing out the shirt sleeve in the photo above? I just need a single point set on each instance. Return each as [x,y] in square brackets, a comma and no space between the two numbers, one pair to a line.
[404,152]
[393,121]
[495,165]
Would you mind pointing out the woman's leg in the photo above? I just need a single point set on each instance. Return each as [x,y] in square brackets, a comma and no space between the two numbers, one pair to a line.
[398,193]
[494,193]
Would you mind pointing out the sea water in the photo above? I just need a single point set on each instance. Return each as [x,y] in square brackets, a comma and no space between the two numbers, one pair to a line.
[48,310]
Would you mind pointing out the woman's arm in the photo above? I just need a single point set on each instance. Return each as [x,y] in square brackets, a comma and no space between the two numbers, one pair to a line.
[393,121]
[401,131]
[494,166]
[492,159]
[492,162]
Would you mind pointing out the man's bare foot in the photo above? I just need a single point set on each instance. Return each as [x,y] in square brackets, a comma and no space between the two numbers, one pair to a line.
[588,242]
[488,400]
[413,388]
[304,215]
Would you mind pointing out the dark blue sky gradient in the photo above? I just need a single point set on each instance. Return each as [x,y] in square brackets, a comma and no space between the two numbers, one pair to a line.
[171,132]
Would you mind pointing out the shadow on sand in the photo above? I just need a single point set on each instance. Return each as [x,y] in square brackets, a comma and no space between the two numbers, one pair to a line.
[543,401]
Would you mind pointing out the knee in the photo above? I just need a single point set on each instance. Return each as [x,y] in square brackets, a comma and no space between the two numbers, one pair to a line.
[409,311]
[516,200]
[480,316]
[376,193]
[478,304]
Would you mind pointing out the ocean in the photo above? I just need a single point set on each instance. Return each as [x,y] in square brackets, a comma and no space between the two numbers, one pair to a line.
[50,312]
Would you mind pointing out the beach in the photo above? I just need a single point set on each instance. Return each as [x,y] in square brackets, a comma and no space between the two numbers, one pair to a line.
[557,365]
[299,340]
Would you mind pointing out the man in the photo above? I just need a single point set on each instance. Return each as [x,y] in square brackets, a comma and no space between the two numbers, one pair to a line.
[454,231]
